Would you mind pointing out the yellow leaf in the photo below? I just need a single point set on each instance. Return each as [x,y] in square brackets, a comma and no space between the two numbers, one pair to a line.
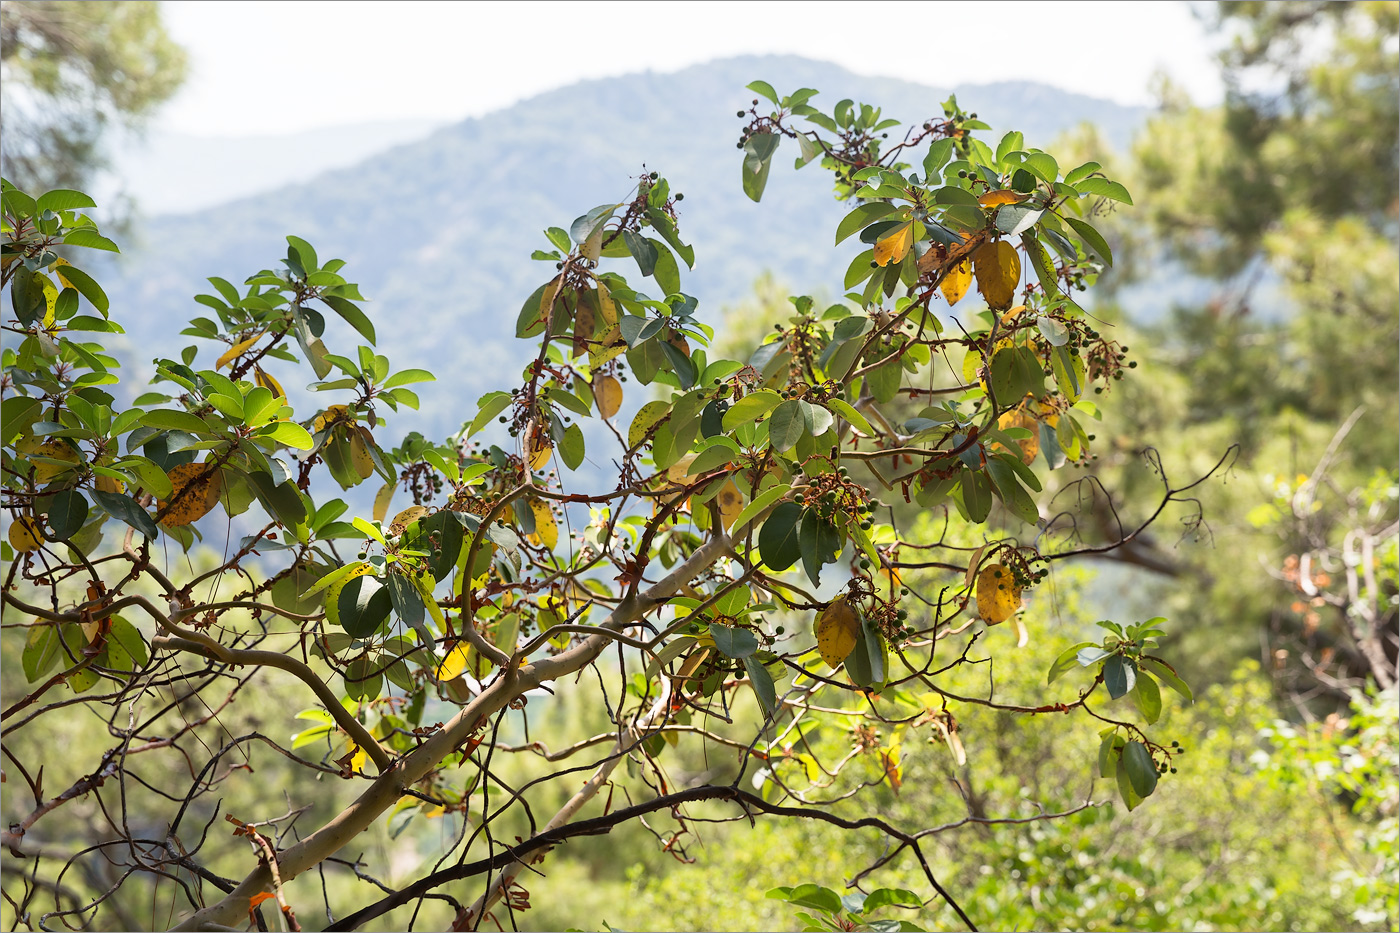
[998,270]
[998,597]
[730,502]
[330,416]
[56,269]
[357,761]
[895,245]
[455,664]
[642,422]
[608,396]
[232,353]
[894,771]
[50,297]
[1000,197]
[24,535]
[54,449]
[360,458]
[405,518]
[537,449]
[267,382]
[678,471]
[195,489]
[837,628]
[1018,418]
[956,282]
[606,306]
[382,500]
[546,528]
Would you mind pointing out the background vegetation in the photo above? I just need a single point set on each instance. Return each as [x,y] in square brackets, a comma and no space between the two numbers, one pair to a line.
[1270,226]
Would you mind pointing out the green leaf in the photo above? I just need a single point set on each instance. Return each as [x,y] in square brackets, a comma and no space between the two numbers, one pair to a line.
[1105,188]
[170,419]
[1065,661]
[763,88]
[67,511]
[778,538]
[41,650]
[750,407]
[87,287]
[1074,176]
[289,433]
[1119,675]
[126,509]
[820,544]
[862,217]
[720,452]
[758,159]
[733,641]
[1125,786]
[760,502]
[1142,771]
[866,663]
[488,406]
[90,238]
[352,315]
[762,683]
[1092,239]
[363,677]
[1168,676]
[62,199]
[786,425]
[127,635]
[849,412]
[406,376]
[364,605]
[571,448]
[975,491]
[1148,697]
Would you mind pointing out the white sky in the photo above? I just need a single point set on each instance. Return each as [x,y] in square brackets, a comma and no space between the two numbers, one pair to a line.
[279,66]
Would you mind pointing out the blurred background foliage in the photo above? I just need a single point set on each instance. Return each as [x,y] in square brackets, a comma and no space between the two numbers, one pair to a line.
[1282,586]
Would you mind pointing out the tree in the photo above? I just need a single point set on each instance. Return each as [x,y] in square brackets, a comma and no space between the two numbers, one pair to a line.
[1285,200]
[72,71]
[730,579]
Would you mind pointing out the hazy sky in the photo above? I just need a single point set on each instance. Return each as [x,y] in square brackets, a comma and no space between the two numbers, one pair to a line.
[283,66]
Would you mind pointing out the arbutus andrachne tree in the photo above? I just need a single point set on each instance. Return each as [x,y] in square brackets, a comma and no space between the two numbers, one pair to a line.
[741,584]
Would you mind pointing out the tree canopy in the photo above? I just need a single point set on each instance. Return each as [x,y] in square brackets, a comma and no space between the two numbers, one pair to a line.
[721,559]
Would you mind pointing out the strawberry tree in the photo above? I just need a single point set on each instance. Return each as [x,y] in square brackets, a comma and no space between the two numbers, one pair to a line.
[728,545]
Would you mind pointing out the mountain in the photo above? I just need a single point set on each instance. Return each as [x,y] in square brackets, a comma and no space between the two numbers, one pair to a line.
[438,232]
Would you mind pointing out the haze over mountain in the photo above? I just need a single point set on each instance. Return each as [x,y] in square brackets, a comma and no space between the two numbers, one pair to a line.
[438,232]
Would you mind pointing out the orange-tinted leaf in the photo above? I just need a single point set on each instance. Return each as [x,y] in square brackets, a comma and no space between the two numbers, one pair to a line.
[1019,418]
[258,898]
[895,245]
[998,270]
[956,282]
[608,396]
[1000,197]
[195,489]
